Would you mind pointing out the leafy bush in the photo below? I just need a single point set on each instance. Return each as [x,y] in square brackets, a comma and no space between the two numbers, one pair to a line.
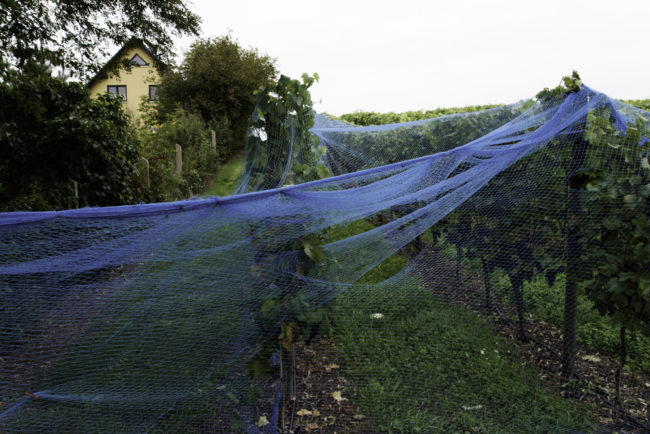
[200,159]
[51,134]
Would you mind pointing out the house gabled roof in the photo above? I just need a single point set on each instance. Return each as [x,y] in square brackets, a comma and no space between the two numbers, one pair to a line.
[112,63]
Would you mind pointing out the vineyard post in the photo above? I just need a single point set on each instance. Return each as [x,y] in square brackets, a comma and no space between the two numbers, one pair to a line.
[578,154]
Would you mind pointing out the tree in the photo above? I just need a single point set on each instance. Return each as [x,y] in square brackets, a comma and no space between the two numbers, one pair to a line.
[51,134]
[71,33]
[217,80]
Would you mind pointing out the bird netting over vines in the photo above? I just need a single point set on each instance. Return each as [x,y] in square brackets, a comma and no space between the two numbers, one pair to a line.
[485,271]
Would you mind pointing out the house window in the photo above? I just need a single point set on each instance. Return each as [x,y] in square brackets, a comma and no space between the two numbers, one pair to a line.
[153,92]
[117,90]
[138,61]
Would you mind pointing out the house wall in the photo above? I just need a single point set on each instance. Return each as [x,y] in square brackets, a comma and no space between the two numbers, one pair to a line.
[137,82]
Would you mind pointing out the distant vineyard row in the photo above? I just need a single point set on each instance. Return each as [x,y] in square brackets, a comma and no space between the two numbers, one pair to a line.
[361,118]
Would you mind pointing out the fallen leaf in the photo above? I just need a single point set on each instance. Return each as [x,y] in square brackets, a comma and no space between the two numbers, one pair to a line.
[337,396]
[262,422]
[311,426]
[328,368]
[304,412]
[316,413]
[359,416]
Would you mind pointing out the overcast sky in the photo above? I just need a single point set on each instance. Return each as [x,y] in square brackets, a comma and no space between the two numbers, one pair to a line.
[403,55]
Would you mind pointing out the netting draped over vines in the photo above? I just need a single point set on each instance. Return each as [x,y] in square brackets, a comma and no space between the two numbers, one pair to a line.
[147,317]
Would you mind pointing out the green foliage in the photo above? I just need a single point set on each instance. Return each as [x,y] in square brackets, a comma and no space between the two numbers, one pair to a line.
[361,118]
[618,243]
[225,181]
[200,159]
[71,34]
[284,111]
[216,80]
[643,104]
[569,84]
[51,133]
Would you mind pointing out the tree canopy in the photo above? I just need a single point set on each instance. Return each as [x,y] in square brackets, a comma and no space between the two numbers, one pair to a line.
[76,34]
[217,80]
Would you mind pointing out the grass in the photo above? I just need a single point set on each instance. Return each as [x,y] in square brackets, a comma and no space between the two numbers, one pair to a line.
[595,331]
[169,339]
[225,180]
[430,367]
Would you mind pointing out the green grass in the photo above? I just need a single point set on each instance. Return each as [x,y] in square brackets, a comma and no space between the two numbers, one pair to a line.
[595,331]
[430,367]
[169,339]
[226,178]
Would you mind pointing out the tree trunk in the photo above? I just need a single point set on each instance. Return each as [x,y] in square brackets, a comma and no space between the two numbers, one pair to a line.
[578,155]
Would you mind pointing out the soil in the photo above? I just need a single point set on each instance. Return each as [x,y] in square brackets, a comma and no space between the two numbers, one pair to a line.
[323,393]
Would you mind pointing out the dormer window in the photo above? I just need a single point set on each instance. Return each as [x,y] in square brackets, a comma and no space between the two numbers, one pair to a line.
[138,61]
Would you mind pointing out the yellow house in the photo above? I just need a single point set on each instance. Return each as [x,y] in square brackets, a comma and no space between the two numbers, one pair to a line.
[141,80]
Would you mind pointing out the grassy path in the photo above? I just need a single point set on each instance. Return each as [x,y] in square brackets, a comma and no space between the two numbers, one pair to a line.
[226,178]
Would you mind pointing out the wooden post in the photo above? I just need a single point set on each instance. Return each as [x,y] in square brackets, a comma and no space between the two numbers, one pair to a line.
[179,160]
[578,155]
[75,188]
[214,140]
[75,192]
[145,171]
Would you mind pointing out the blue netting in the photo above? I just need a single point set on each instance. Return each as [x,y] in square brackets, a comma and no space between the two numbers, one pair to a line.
[145,317]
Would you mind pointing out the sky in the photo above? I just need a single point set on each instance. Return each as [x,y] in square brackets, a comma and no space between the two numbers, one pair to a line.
[404,55]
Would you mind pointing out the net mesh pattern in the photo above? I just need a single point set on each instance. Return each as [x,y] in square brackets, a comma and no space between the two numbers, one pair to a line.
[150,317]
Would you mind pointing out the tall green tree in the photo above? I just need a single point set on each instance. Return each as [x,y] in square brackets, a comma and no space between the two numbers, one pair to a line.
[75,34]
[217,79]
